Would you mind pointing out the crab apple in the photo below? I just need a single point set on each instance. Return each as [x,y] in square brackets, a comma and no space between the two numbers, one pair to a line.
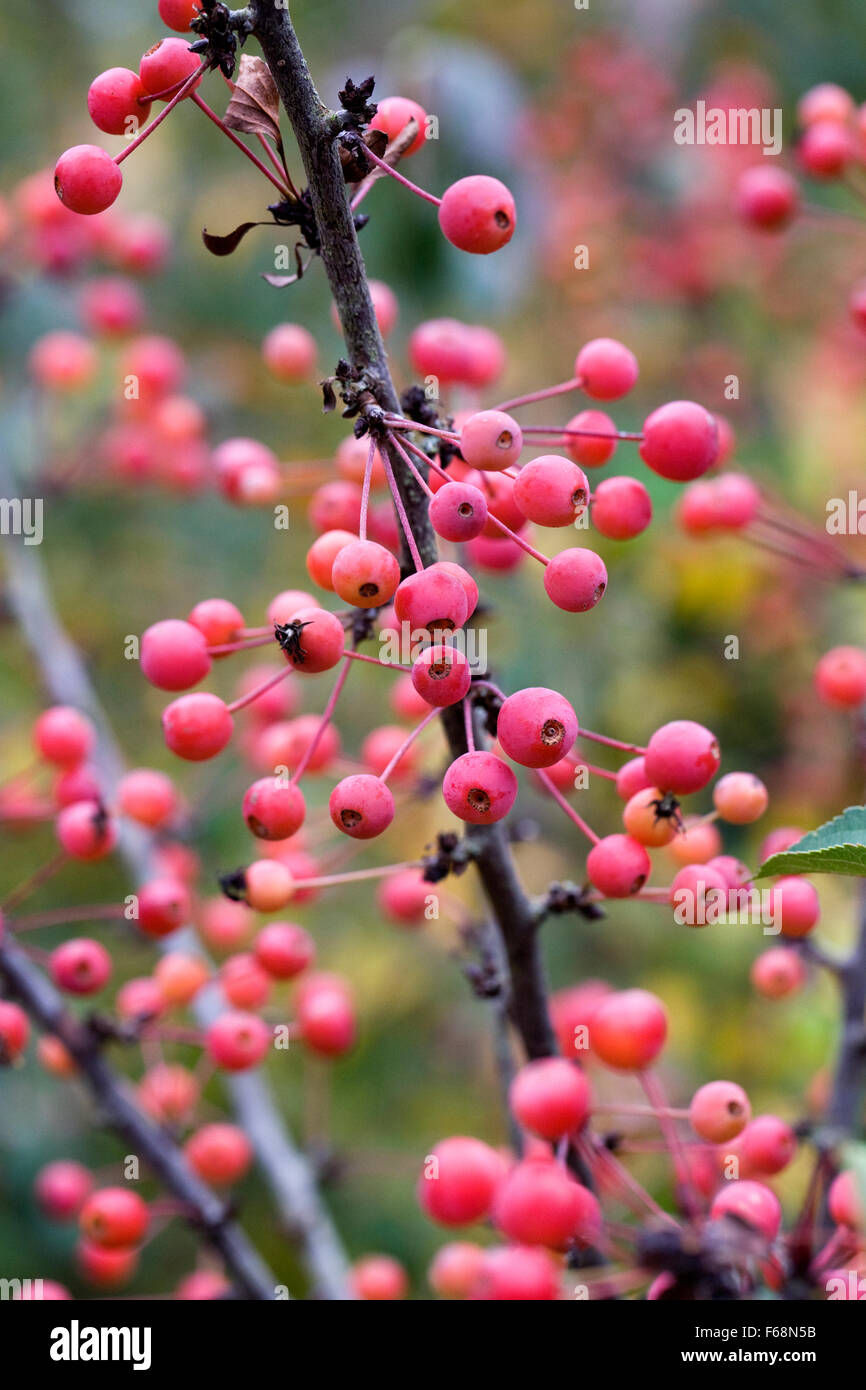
[458,512]
[840,677]
[597,441]
[322,554]
[682,756]
[750,1202]
[632,777]
[62,1187]
[202,1285]
[455,1269]
[197,726]
[778,973]
[178,14]
[698,842]
[485,356]
[163,906]
[844,1201]
[459,1180]
[164,66]
[491,440]
[336,506]
[740,798]
[767,197]
[269,885]
[857,304]
[733,871]
[550,1096]
[80,966]
[719,1111]
[86,179]
[62,736]
[404,897]
[795,906]
[575,579]
[433,598]
[479,788]
[218,620]
[737,500]
[174,654]
[180,977]
[52,1055]
[379,1279]
[157,364]
[767,1145]
[114,1218]
[245,985]
[628,1029]
[326,1015]
[140,999]
[288,741]
[464,579]
[237,1041]
[106,1269]
[284,950]
[49,1291]
[86,831]
[62,361]
[147,796]
[779,840]
[477,214]
[536,726]
[695,888]
[232,459]
[361,806]
[365,574]
[606,369]
[618,866]
[643,822]
[14,1031]
[539,1203]
[442,675]
[274,809]
[499,490]
[551,491]
[351,460]
[825,102]
[394,114]
[440,348]
[825,149]
[319,641]
[287,602]
[495,556]
[621,508]
[76,784]
[168,1093]
[225,923]
[289,352]
[118,102]
[517,1273]
[680,441]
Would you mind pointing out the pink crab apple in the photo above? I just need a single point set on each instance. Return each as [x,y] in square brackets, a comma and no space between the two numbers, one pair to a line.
[491,440]
[86,179]
[606,369]
[840,677]
[719,1111]
[14,1031]
[458,512]
[174,654]
[392,116]
[237,1041]
[379,1279]
[320,641]
[795,906]
[62,1187]
[164,66]
[575,579]
[767,197]
[479,788]
[365,574]
[80,966]
[750,1202]
[284,949]
[682,756]
[777,973]
[551,1097]
[290,353]
[621,508]
[539,1203]
[517,1273]
[441,675]
[459,1180]
[536,726]
[197,726]
[361,806]
[551,491]
[85,830]
[628,1029]
[117,102]
[114,1218]
[590,438]
[63,736]
[618,866]
[680,441]
[164,905]
[477,214]
[326,1015]
[273,809]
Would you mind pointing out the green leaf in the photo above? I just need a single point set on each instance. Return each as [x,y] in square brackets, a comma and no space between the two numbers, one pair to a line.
[838,847]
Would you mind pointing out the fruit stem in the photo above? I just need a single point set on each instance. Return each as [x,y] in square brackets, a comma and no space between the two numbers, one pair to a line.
[327,716]
[244,700]
[401,178]
[158,119]
[573,384]
[569,810]
[236,140]
[407,743]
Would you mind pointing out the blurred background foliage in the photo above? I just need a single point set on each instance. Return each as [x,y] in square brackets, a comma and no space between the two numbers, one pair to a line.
[574,110]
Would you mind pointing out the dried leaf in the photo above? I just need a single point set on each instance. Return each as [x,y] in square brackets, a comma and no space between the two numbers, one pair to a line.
[255,104]
[329,399]
[225,245]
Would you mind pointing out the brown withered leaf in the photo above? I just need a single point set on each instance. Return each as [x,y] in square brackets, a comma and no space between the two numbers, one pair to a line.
[225,245]
[255,104]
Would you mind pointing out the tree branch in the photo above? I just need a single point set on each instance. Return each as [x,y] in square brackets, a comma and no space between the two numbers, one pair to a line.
[347,276]
[846,1098]
[148,1141]
[287,1170]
